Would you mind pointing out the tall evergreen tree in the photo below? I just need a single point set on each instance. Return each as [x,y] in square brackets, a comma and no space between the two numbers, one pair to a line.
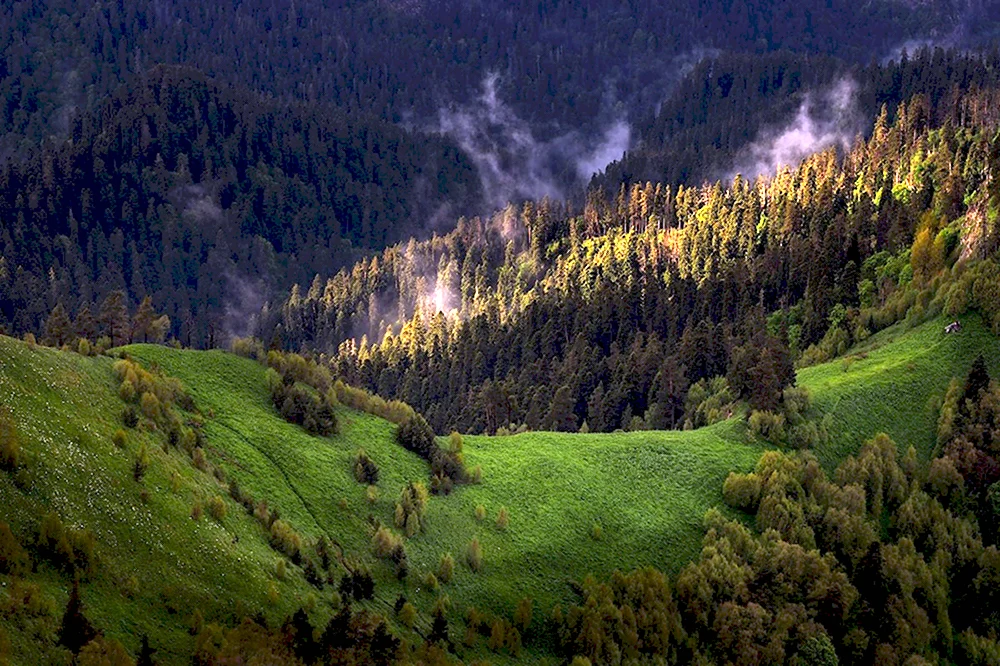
[113,317]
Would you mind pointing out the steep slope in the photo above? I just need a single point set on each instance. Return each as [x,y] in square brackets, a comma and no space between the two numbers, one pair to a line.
[894,382]
[155,565]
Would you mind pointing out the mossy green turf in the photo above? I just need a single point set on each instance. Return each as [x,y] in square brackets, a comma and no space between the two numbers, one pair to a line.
[648,491]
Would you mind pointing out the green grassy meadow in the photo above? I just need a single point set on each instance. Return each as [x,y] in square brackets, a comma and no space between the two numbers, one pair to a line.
[647,491]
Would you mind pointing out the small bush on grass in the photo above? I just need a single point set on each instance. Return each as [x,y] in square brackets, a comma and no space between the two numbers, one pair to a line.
[217,508]
[474,555]
[446,569]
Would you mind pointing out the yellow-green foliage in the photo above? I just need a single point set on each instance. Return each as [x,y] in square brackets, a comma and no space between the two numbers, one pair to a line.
[708,402]
[446,569]
[217,508]
[156,393]
[768,426]
[411,507]
[26,599]
[394,411]
[408,615]
[13,558]
[474,555]
[503,518]
[522,614]
[742,491]
[150,406]
[385,542]
[73,549]
[285,538]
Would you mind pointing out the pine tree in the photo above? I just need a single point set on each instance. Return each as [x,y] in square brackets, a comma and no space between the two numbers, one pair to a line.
[337,634]
[84,325]
[58,327]
[561,417]
[143,320]
[114,317]
[146,653]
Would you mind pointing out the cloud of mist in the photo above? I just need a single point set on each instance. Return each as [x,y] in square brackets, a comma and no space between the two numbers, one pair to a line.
[828,119]
[513,164]
[962,31]
[680,67]
[245,299]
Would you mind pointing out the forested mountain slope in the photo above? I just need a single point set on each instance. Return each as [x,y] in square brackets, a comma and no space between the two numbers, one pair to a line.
[551,318]
[207,198]
[563,63]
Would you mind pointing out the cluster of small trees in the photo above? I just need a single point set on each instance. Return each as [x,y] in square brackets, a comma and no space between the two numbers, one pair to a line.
[411,508]
[302,406]
[447,465]
[113,326]
[884,563]
[365,469]
[72,549]
[153,393]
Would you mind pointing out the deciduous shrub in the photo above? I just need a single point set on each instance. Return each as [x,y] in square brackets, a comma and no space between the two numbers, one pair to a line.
[474,555]
[286,540]
[140,464]
[130,417]
[384,542]
[73,549]
[13,558]
[408,615]
[742,491]
[522,614]
[446,568]
[217,508]
[768,426]
[503,518]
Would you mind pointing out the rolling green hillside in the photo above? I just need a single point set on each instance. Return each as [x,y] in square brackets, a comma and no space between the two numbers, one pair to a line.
[894,383]
[646,491]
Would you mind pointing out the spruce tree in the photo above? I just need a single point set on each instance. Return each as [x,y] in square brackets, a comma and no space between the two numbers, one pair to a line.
[58,327]
[114,317]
